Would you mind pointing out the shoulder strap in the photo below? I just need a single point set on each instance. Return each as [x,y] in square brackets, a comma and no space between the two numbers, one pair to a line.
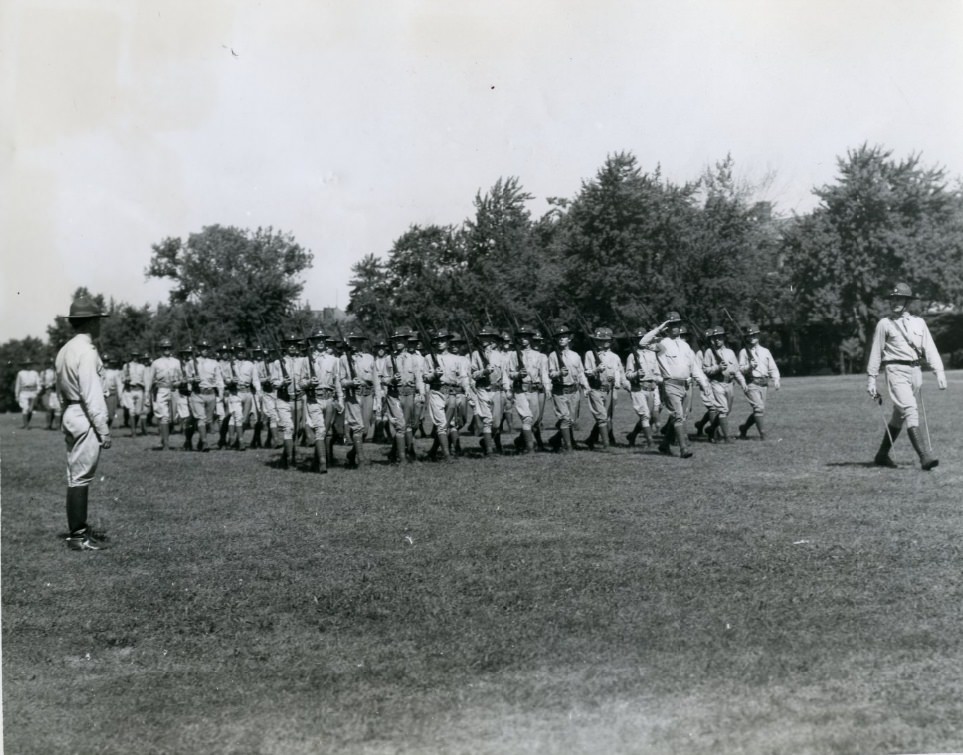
[905,335]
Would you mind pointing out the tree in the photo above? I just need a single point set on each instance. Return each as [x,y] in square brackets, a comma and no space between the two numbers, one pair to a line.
[883,220]
[232,284]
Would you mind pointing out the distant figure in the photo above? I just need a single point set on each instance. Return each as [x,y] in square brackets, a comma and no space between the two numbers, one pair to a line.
[901,344]
[760,371]
[79,383]
[25,388]
[51,402]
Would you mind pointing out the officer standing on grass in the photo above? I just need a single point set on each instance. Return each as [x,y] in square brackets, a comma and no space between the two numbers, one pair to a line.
[134,377]
[79,384]
[26,387]
[760,371]
[901,345]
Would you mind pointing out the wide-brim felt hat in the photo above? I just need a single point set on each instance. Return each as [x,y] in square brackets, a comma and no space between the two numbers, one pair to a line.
[292,338]
[563,330]
[900,290]
[752,330]
[402,332]
[457,338]
[84,309]
[602,334]
[525,330]
[441,335]
[488,332]
[673,317]
[717,330]
[356,335]
[318,335]
[164,343]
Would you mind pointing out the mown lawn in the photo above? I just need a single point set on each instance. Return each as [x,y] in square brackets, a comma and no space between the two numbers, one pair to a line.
[760,597]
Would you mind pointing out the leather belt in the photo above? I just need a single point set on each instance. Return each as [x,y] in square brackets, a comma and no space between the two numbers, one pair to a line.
[561,390]
[904,362]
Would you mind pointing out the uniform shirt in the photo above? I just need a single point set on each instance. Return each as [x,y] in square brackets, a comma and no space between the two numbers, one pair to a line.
[729,364]
[164,372]
[49,378]
[894,341]
[573,363]
[27,380]
[608,368]
[383,368]
[641,365]
[113,384]
[497,376]
[535,363]
[264,376]
[296,369]
[227,371]
[454,370]
[364,369]
[208,373]
[80,378]
[246,375]
[758,363]
[327,371]
[676,359]
[135,374]
[410,367]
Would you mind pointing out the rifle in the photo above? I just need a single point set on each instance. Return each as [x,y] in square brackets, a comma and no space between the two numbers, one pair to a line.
[348,358]
[391,351]
[745,340]
[473,344]
[556,348]
[310,390]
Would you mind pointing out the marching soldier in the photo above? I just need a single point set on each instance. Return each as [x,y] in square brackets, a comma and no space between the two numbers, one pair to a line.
[506,349]
[403,386]
[268,398]
[358,368]
[289,374]
[182,398]
[422,415]
[447,379]
[382,362]
[134,377]
[240,401]
[163,378]
[85,418]
[642,372]
[464,396]
[901,345]
[487,369]
[207,385]
[222,412]
[113,385]
[604,377]
[325,398]
[760,371]
[568,376]
[528,372]
[26,388]
[540,345]
[721,367]
[51,402]
[678,366]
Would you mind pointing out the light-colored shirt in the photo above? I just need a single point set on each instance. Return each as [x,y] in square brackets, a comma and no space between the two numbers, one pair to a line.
[135,374]
[676,359]
[296,371]
[327,372]
[608,369]
[757,362]
[80,378]
[727,367]
[641,365]
[535,363]
[208,373]
[28,381]
[454,370]
[497,376]
[246,376]
[570,361]
[894,340]
[364,370]
[164,372]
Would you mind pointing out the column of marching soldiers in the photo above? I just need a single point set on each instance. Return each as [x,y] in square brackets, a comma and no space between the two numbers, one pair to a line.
[324,391]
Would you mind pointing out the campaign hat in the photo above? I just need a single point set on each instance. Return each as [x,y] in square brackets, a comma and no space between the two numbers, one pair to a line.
[563,330]
[403,331]
[441,335]
[292,338]
[381,343]
[672,316]
[240,346]
[457,338]
[537,336]
[84,308]
[318,335]
[683,330]
[203,344]
[900,291]
[165,343]
[356,335]
[717,330]
[602,334]
[752,329]
[185,350]
[488,331]
[525,330]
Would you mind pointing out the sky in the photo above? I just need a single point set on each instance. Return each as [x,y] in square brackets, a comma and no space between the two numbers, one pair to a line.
[343,123]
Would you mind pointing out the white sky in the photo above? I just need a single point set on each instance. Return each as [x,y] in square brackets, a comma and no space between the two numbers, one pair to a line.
[123,122]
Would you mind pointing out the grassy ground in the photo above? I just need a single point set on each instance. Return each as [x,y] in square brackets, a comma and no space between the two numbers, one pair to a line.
[760,597]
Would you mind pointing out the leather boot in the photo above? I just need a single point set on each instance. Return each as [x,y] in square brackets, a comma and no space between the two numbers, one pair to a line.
[410,452]
[723,429]
[329,449]
[256,440]
[761,426]
[744,428]
[634,433]
[882,458]
[927,460]
[668,435]
[287,454]
[77,508]
[188,437]
[320,461]
[647,432]
[164,430]
[400,449]
[486,443]
[529,440]
[707,417]
[444,446]
[359,460]
[684,451]
[537,432]
[519,442]
[713,426]
[555,442]
[603,433]
[592,438]
[568,434]
[497,439]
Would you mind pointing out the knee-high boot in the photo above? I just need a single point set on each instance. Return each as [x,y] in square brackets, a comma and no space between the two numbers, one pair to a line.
[882,458]
[927,460]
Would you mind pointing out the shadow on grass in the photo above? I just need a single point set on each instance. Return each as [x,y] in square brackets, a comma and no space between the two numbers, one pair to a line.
[865,464]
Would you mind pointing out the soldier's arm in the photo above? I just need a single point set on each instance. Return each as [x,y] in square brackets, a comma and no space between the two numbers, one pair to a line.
[92,393]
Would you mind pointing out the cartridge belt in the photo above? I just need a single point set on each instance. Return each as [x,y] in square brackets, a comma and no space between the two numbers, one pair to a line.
[561,390]
[401,390]
[763,381]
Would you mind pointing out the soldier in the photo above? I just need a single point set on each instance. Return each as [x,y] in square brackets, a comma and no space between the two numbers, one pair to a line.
[530,382]
[113,386]
[182,398]
[506,348]
[760,371]
[540,345]
[487,369]
[207,386]
[721,367]
[568,375]
[447,379]
[363,393]
[268,397]
[325,398]
[403,385]
[26,387]
[240,400]
[423,423]
[85,418]
[163,378]
[222,414]
[48,395]
[290,375]
[132,398]
[678,367]
[642,372]
[901,345]
[603,371]
[383,367]
[464,397]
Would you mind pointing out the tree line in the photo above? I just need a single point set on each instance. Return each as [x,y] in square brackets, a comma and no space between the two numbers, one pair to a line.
[627,247]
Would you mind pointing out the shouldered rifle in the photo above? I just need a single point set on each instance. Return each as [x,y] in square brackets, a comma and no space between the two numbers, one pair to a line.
[744,338]
[556,348]
[426,337]
[391,350]
[473,344]
[595,381]
[348,357]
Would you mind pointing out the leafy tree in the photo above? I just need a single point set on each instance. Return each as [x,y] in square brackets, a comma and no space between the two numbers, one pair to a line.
[232,284]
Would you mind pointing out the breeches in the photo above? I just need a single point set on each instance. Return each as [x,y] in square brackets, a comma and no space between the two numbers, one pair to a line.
[111,401]
[674,397]
[484,406]
[722,397]
[904,389]
[162,404]
[529,409]
[269,407]
[442,408]
[51,401]
[357,413]
[240,407]
[566,408]
[756,395]
[27,400]
[182,406]
[402,412]
[202,406]
[646,404]
[133,401]
[83,447]
[599,405]
[320,416]
[285,411]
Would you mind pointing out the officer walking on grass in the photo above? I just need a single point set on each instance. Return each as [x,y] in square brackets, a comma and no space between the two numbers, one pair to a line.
[26,387]
[81,390]
[760,371]
[902,344]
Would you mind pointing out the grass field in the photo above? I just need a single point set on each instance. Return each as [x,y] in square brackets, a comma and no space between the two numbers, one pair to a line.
[778,596]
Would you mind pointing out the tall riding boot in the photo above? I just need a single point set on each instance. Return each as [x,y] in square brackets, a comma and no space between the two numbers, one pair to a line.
[188,435]
[444,446]
[537,432]
[647,432]
[77,508]
[713,426]
[722,424]
[410,452]
[592,438]
[634,433]
[707,417]
[358,442]
[668,435]
[927,460]
[165,434]
[555,442]
[400,450]
[568,439]
[744,428]
[882,458]
[529,440]
[684,451]
[497,438]
[329,449]
[486,442]
[320,456]
[761,425]
[222,433]
[603,433]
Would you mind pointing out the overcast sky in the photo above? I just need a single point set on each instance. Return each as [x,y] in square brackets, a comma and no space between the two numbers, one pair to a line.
[344,122]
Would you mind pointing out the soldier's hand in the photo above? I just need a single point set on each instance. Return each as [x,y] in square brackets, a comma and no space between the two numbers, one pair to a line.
[340,407]
[775,384]
[871,387]
[523,373]
[941,381]
[419,399]
[105,440]
[563,372]
[397,377]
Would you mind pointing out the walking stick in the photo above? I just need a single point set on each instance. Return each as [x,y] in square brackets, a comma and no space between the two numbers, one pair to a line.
[882,416]
[926,425]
